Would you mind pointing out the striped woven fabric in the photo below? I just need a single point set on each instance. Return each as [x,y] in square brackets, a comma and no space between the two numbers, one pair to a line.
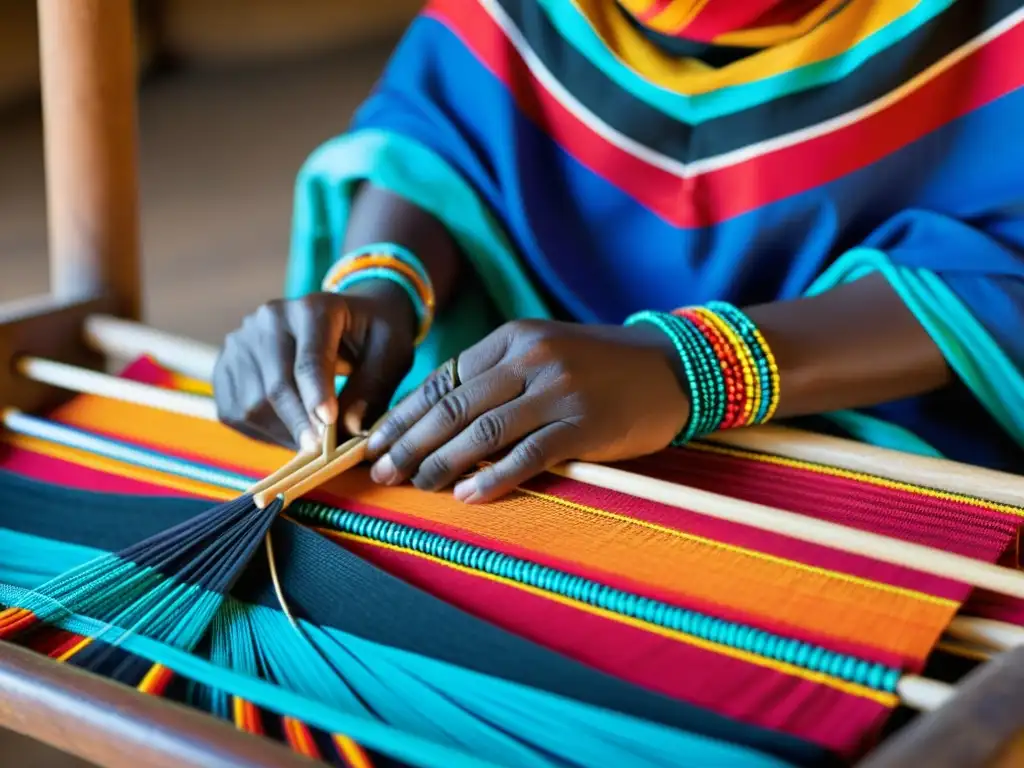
[785,648]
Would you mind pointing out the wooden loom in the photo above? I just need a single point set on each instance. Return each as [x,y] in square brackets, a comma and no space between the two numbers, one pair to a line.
[91,316]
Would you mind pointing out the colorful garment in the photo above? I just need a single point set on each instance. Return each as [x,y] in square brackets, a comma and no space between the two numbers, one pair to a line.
[591,163]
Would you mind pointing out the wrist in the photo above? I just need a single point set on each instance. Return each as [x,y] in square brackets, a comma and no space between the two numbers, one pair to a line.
[390,299]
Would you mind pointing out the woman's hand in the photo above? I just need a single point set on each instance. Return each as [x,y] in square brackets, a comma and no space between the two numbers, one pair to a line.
[274,380]
[548,391]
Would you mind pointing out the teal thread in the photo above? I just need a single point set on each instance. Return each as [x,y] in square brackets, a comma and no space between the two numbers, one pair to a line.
[741,637]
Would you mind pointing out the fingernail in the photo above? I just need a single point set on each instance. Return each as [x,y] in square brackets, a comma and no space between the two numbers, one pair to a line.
[326,412]
[354,417]
[308,442]
[466,491]
[383,471]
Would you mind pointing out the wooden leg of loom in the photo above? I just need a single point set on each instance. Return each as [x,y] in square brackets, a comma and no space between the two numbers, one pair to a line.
[982,726]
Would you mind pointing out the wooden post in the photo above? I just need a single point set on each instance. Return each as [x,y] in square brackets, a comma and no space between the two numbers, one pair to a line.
[89,78]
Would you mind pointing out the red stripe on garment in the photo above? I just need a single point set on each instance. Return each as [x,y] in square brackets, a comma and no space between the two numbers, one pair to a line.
[729,686]
[720,17]
[717,195]
[653,9]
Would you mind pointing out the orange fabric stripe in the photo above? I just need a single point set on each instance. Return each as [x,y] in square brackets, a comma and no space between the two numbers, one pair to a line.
[75,649]
[825,603]
[156,680]
[354,754]
[299,738]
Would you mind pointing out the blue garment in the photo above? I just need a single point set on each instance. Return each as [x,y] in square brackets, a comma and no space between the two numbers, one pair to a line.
[550,236]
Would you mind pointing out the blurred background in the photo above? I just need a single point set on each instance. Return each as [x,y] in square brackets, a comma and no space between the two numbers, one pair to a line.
[234,94]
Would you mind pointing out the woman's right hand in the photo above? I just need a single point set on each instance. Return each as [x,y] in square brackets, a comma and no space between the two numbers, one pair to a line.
[274,379]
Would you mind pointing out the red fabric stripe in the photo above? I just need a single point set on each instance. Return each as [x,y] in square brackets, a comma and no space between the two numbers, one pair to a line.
[719,17]
[717,195]
[729,686]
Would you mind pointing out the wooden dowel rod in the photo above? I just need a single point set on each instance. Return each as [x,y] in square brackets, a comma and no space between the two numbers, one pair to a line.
[126,340]
[83,380]
[87,53]
[923,694]
[115,726]
[1004,581]
[996,635]
[197,360]
[926,471]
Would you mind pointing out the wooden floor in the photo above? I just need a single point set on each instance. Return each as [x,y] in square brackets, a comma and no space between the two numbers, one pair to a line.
[219,156]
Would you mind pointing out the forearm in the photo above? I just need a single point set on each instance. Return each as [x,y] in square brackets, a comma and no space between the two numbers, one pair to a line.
[380,216]
[855,346]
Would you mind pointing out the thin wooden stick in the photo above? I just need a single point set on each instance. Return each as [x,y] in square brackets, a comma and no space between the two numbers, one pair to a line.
[349,455]
[286,481]
[125,340]
[297,462]
[1004,581]
[996,635]
[76,379]
[923,694]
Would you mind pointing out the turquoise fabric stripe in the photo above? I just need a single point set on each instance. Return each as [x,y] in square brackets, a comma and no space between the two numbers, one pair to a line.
[699,108]
[590,736]
[969,349]
[323,197]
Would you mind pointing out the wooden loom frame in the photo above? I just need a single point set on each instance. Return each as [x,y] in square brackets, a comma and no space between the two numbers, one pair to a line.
[90,124]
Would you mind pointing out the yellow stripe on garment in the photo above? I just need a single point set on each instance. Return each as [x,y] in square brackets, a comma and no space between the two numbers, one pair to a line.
[860,477]
[849,27]
[763,37]
[885,699]
[676,15]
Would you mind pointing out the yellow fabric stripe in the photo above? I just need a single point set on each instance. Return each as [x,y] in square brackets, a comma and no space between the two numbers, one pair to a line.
[74,649]
[849,27]
[794,564]
[676,15]
[885,699]
[762,37]
[860,477]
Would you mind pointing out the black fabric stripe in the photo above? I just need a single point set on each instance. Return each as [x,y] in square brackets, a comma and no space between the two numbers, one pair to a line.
[713,55]
[644,124]
[332,587]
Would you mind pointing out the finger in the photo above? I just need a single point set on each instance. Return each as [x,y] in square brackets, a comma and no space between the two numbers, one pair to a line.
[241,401]
[275,364]
[489,433]
[445,420]
[381,368]
[551,445]
[317,336]
[473,362]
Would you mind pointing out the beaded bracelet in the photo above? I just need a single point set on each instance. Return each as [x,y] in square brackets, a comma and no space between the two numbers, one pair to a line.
[387,261]
[729,370]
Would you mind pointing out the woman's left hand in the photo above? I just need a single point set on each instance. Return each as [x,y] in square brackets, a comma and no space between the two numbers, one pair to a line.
[548,391]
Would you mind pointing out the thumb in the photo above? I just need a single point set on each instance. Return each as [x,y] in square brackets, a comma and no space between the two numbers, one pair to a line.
[383,364]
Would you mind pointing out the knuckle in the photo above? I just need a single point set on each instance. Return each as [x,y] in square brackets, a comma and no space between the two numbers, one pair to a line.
[488,431]
[307,366]
[452,411]
[435,388]
[433,472]
[403,455]
[529,453]
[392,429]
